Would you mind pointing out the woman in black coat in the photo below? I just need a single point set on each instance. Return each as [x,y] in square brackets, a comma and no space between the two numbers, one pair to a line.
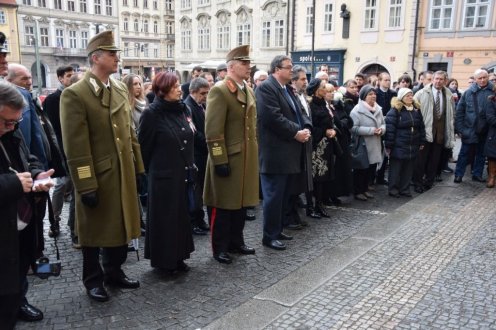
[490,147]
[405,137]
[166,138]
[323,149]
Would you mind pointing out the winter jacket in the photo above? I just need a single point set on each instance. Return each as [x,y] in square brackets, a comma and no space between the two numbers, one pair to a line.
[405,130]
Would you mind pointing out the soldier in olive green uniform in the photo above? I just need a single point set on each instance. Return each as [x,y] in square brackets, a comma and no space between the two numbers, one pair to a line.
[231,180]
[104,157]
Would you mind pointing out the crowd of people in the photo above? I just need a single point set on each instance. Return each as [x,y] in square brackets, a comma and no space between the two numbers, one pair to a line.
[196,158]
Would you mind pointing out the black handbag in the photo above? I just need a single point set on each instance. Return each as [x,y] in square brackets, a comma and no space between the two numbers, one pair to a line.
[359,156]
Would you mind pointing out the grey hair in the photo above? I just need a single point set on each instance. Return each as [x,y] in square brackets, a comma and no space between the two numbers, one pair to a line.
[97,52]
[277,62]
[259,73]
[198,83]
[321,74]
[13,68]
[478,72]
[297,69]
[441,73]
[350,82]
[10,96]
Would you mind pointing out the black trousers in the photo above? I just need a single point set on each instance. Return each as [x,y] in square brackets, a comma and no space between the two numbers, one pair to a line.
[112,260]
[400,175]
[361,179]
[9,308]
[427,164]
[227,229]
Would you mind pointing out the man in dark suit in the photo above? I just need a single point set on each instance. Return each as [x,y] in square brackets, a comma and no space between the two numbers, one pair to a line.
[282,130]
[197,70]
[198,91]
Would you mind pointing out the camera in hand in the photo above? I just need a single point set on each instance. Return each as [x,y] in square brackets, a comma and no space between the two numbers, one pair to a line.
[45,268]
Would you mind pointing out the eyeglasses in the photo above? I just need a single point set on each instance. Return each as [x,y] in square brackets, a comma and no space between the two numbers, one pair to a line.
[11,122]
[289,67]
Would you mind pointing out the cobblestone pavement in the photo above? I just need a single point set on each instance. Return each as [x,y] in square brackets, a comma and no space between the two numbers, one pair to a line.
[207,292]
[435,272]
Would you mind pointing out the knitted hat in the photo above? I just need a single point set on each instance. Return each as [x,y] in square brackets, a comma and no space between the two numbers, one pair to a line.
[402,93]
[366,89]
[313,86]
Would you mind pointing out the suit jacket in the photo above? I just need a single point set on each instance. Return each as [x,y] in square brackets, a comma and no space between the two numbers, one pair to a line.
[51,106]
[279,152]
[198,117]
[231,133]
[103,155]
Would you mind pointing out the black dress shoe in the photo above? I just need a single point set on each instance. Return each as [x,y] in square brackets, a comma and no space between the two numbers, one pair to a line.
[198,231]
[223,258]
[419,189]
[182,266]
[478,179]
[395,195]
[284,237]
[98,294]
[447,169]
[312,214]
[250,214]
[29,313]
[294,226]
[243,249]
[406,194]
[458,179]
[203,226]
[320,209]
[274,244]
[122,282]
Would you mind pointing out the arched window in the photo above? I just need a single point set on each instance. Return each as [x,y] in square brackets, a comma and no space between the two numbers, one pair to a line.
[155,27]
[145,26]
[126,24]
[136,25]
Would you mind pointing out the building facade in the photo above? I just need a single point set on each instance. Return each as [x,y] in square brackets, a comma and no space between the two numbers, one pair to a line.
[367,36]
[457,36]
[148,36]
[208,29]
[8,24]
[60,30]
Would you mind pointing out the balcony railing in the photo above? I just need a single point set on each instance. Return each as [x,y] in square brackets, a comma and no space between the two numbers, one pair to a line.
[72,52]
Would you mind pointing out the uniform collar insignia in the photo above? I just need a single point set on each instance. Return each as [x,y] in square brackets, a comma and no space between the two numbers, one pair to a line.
[231,85]
[95,84]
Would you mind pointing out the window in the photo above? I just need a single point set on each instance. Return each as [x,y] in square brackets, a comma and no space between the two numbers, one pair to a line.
[59,37]
[155,27]
[135,3]
[136,25]
[328,8]
[309,20]
[3,19]
[168,5]
[72,39]
[26,2]
[57,4]
[244,34]
[185,4]
[108,7]
[155,4]
[98,7]
[204,38]
[223,37]
[144,49]
[395,13]
[279,33]
[370,22]
[170,51]
[84,39]
[126,24]
[476,14]
[186,35]
[203,2]
[145,26]
[71,6]
[145,3]
[124,3]
[126,49]
[169,27]
[42,3]
[155,52]
[44,37]
[29,35]
[266,34]
[441,14]
[136,50]
[83,6]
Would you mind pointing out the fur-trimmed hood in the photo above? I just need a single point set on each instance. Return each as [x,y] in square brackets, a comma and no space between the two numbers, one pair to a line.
[398,105]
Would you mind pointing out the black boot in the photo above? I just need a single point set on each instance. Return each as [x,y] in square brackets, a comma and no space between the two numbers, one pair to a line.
[320,210]
[311,212]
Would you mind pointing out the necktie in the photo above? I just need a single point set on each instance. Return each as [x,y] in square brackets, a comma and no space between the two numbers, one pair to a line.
[437,106]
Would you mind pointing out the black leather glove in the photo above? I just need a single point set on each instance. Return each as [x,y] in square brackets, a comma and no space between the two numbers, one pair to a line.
[223,170]
[140,180]
[90,199]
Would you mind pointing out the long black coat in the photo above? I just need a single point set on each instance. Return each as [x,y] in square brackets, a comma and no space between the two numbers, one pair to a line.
[164,131]
[323,156]
[490,147]
[200,148]
[405,131]
[10,192]
[277,124]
